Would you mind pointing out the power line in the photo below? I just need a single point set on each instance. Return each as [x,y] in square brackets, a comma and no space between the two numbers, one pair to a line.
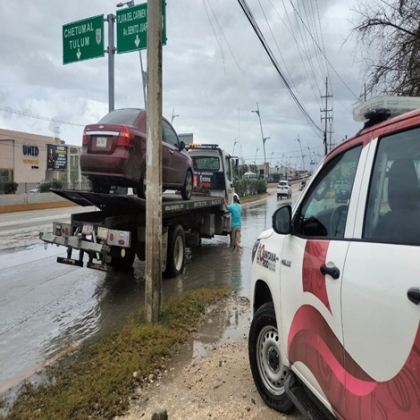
[227,42]
[310,79]
[278,48]
[257,30]
[328,61]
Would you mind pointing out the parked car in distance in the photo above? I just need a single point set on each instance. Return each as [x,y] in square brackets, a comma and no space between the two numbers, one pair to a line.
[34,190]
[249,175]
[334,287]
[114,154]
[284,189]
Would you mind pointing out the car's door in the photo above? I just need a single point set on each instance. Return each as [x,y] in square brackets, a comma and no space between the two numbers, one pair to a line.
[312,261]
[381,283]
[176,160]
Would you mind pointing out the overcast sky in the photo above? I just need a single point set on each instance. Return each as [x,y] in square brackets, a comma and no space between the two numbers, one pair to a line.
[215,70]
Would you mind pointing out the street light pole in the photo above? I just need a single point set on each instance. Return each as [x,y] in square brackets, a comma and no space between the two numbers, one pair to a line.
[234,144]
[173,116]
[130,3]
[301,152]
[257,111]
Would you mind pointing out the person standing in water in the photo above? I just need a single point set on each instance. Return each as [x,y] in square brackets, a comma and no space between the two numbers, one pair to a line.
[235,210]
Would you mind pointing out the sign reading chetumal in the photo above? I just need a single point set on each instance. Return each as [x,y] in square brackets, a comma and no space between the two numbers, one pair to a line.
[83,40]
[132,28]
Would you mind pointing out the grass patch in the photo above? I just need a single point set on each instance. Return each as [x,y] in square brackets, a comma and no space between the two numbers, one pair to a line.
[97,381]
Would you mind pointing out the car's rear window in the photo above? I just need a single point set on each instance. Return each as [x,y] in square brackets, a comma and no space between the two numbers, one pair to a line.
[121,116]
[283,183]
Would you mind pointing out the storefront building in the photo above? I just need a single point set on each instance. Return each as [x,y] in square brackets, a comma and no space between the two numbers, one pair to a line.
[28,159]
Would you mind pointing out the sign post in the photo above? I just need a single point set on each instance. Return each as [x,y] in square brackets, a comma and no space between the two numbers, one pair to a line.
[83,40]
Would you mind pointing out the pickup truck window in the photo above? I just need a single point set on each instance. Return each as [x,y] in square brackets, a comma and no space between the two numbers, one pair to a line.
[393,208]
[323,212]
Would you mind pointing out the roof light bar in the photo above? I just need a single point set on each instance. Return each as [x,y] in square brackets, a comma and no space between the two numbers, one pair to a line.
[391,105]
[204,146]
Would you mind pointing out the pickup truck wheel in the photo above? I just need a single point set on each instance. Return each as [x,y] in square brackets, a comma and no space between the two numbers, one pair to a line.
[265,359]
[188,186]
[176,251]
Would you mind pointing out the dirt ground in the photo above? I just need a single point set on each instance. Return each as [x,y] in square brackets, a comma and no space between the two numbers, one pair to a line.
[210,377]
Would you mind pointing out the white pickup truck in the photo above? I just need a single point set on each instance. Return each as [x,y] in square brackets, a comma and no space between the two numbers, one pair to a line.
[335,285]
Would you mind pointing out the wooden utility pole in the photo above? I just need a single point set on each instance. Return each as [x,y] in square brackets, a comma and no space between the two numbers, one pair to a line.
[154,162]
[326,118]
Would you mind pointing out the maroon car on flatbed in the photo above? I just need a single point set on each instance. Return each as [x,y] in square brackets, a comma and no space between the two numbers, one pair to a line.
[114,154]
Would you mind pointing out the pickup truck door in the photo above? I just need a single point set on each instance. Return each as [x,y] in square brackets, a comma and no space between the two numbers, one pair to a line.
[381,315]
[312,263]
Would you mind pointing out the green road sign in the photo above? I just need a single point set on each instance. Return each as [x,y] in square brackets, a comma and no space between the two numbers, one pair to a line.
[132,28]
[83,40]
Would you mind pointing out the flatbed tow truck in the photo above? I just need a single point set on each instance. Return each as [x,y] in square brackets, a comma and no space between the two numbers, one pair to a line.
[114,234]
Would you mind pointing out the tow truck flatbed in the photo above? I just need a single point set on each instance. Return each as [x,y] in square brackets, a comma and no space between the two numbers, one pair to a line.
[171,203]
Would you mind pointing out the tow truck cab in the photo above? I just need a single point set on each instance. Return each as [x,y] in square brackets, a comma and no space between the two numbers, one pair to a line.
[214,170]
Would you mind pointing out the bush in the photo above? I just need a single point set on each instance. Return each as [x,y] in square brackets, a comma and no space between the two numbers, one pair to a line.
[45,186]
[10,187]
[244,187]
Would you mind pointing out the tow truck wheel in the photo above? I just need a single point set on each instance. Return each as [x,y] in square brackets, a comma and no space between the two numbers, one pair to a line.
[188,186]
[176,251]
[141,189]
[266,361]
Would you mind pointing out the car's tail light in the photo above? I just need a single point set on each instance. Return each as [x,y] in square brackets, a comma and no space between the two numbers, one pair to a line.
[124,138]
[85,138]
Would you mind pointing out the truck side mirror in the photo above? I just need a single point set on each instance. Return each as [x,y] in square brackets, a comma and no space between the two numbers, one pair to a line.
[282,220]
[181,145]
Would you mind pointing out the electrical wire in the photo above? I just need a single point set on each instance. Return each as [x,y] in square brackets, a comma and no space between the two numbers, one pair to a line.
[319,48]
[260,36]
[39,117]
[227,42]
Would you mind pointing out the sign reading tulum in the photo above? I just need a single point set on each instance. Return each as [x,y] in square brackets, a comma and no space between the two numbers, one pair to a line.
[83,40]
[132,28]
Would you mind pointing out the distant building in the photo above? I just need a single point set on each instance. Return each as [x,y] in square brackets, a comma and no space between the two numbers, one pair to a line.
[263,170]
[28,159]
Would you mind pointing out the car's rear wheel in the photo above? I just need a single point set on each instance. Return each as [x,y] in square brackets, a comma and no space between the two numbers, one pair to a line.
[186,191]
[99,187]
[266,361]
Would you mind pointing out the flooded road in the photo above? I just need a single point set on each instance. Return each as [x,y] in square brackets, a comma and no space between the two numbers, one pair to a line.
[47,308]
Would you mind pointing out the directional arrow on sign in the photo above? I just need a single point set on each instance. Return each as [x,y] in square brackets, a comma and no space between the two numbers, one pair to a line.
[78,54]
[137,41]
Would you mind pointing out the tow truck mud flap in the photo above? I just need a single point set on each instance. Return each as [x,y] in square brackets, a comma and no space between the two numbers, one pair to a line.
[97,266]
